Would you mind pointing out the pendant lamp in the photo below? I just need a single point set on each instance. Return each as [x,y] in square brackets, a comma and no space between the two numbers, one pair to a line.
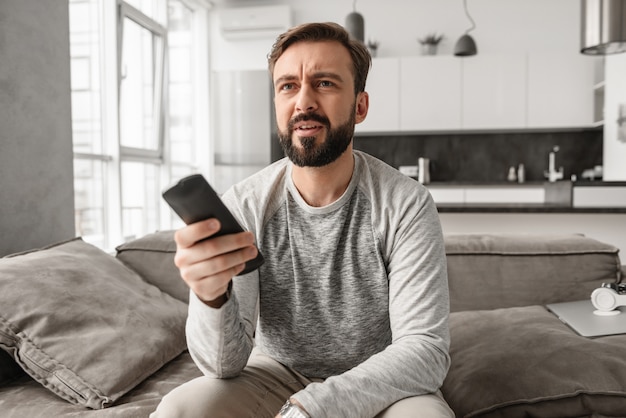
[355,24]
[603,27]
[466,46]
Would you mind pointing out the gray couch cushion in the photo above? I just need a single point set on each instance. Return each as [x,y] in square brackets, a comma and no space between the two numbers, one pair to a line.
[84,325]
[152,256]
[25,398]
[498,271]
[524,362]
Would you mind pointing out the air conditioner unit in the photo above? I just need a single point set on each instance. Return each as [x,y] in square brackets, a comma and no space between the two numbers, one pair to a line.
[254,22]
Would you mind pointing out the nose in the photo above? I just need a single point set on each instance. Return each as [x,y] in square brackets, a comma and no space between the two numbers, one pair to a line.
[305,101]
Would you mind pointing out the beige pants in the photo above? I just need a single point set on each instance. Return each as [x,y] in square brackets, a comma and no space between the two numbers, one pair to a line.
[260,391]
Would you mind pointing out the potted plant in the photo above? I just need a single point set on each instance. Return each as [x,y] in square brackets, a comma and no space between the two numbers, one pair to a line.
[430,42]
[372,45]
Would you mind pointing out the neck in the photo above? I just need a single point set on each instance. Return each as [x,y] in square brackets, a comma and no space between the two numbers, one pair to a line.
[321,186]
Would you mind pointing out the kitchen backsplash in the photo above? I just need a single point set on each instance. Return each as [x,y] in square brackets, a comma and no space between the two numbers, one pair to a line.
[486,157]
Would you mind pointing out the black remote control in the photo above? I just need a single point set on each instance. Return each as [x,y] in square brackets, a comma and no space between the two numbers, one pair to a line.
[194,200]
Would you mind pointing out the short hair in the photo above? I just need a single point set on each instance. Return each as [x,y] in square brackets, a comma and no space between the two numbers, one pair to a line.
[329,31]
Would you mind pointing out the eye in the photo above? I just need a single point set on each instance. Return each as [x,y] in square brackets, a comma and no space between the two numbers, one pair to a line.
[287,86]
[326,83]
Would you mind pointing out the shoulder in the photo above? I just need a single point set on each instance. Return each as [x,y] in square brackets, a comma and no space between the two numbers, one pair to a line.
[258,194]
[402,209]
[258,183]
[384,182]
[398,203]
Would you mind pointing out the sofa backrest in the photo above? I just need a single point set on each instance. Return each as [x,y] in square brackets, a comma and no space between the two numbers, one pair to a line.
[484,271]
[499,271]
[152,256]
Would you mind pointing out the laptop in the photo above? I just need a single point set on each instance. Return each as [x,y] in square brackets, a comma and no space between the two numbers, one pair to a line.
[580,317]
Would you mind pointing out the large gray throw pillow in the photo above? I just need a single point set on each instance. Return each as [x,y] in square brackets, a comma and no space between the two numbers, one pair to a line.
[524,362]
[83,324]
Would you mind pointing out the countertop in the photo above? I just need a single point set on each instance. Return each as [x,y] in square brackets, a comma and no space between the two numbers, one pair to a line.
[597,183]
[519,208]
[524,207]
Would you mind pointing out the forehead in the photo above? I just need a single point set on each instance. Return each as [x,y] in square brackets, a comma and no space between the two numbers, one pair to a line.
[314,56]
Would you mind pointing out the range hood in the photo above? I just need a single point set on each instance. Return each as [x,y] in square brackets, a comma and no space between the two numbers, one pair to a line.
[603,27]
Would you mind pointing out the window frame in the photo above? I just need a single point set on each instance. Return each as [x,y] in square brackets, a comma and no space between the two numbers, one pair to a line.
[112,153]
[137,154]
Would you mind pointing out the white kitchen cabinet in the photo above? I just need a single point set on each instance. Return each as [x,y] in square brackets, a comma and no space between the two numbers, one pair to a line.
[384,97]
[488,194]
[482,92]
[599,197]
[560,90]
[447,194]
[452,93]
[494,92]
[503,194]
[430,93]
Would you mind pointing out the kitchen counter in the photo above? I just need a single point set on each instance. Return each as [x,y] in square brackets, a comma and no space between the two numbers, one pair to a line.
[530,197]
[520,208]
[596,209]
[580,183]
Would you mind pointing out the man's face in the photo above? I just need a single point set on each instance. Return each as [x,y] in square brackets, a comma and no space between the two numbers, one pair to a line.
[316,108]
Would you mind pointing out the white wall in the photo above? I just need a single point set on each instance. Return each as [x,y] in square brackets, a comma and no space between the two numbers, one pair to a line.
[502,26]
[237,55]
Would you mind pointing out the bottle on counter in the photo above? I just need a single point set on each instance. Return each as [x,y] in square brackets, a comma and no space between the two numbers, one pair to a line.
[521,173]
[423,170]
[511,176]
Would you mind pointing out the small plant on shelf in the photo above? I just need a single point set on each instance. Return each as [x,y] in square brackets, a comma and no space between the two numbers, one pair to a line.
[431,39]
[430,42]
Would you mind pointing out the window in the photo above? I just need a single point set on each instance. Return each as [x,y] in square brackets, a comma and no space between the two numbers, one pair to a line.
[139,96]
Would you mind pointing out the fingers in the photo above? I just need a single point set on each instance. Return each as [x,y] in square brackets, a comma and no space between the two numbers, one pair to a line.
[208,248]
[190,234]
[208,263]
[208,260]
[209,278]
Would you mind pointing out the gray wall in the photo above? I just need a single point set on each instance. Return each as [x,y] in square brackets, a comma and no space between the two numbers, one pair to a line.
[36,175]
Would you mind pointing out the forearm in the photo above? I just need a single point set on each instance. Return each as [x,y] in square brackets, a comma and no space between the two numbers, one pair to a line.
[380,381]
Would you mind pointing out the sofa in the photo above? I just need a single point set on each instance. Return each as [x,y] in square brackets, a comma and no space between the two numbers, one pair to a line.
[87,333]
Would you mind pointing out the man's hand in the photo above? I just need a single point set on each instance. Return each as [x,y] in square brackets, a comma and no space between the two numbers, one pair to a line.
[208,265]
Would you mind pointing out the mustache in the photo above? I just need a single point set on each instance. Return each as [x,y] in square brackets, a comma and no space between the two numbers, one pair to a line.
[308,116]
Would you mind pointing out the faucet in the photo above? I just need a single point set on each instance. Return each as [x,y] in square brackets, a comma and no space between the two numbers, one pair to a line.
[552,174]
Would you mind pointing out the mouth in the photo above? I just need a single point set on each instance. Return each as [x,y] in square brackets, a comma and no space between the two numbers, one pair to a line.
[307,128]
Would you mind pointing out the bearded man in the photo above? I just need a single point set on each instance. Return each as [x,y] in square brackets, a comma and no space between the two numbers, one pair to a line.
[348,317]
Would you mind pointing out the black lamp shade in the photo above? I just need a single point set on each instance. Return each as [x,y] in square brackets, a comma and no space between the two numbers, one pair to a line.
[465,46]
[603,27]
[355,25]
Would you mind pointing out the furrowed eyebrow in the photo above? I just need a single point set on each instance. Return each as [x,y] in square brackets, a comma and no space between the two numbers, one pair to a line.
[285,78]
[323,74]
[316,76]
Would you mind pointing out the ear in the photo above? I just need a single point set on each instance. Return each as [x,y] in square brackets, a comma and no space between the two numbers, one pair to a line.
[362,106]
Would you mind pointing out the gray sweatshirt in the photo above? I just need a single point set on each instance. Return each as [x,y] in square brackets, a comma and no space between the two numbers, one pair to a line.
[354,292]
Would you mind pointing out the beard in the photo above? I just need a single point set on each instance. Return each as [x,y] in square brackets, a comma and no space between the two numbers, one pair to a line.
[312,154]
